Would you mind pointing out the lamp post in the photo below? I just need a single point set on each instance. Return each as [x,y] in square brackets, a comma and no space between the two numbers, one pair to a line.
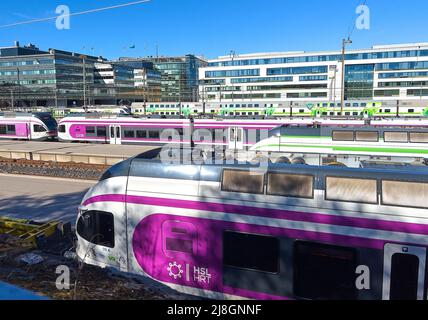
[342,99]
[19,88]
[84,80]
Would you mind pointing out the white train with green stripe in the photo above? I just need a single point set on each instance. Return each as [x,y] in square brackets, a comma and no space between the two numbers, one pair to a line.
[348,146]
[355,109]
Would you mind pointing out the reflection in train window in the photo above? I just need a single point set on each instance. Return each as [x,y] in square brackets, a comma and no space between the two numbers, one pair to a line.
[142,134]
[154,134]
[343,135]
[404,277]
[251,252]
[369,136]
[396,137]
[11,129]
[352,190]
[39,128]
[243,181]
[419,137]
[129,133]
[97,227]
[324,272]
[290,185]
[101,132]
[400,193]
[90,132]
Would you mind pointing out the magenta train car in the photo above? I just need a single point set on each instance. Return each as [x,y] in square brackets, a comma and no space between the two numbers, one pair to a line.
[289,232]
[27,126]
[234,133]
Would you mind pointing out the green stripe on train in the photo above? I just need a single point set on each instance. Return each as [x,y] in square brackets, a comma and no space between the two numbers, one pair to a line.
[356,149]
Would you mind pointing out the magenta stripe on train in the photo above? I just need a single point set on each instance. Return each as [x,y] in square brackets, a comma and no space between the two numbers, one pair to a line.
[318,218]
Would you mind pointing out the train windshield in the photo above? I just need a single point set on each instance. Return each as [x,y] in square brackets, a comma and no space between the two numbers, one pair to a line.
[48,120]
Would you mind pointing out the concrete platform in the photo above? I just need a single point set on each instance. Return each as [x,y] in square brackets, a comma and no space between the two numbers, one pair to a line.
[69,152]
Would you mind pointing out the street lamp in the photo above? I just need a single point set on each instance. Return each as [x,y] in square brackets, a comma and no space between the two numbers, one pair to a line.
[344,43]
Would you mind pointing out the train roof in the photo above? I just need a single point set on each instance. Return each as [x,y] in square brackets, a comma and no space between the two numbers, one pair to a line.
[149,164]
[24,114]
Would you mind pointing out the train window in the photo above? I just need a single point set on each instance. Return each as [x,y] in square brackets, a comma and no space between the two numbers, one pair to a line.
[61,128]
[154,135]
[90,131]
[242,181]
[97,227]
[396,137]
[129,133]
[290,185]
[2,129]
[419,137]
[11,129]
[251,252]
[39,128]
[324,272]
[369,136]
[411,110]
[351,189]
[388,110]
[301,111]
[343,135]
[400,193]
[101,132]
[347,113]
[404,277]
[142,134]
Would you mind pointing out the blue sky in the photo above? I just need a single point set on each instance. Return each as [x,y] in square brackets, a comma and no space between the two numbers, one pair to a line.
[213,27]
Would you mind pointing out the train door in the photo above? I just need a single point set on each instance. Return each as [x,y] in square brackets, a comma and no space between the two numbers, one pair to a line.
[236,138]
[404,272]
[115,134]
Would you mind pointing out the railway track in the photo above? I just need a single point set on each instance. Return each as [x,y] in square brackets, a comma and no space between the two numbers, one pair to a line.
[52,169]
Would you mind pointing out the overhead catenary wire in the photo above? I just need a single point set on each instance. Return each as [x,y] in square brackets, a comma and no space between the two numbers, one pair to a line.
[128,4]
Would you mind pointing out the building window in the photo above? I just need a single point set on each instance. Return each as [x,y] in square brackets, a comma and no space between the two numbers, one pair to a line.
[324,272]
[251,252]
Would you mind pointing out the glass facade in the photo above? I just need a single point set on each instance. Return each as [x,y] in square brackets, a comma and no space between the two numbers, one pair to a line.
[297,70]
[322,58]
[359,81]
[403,75]
[179,77]
[262,79]
[232,73]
